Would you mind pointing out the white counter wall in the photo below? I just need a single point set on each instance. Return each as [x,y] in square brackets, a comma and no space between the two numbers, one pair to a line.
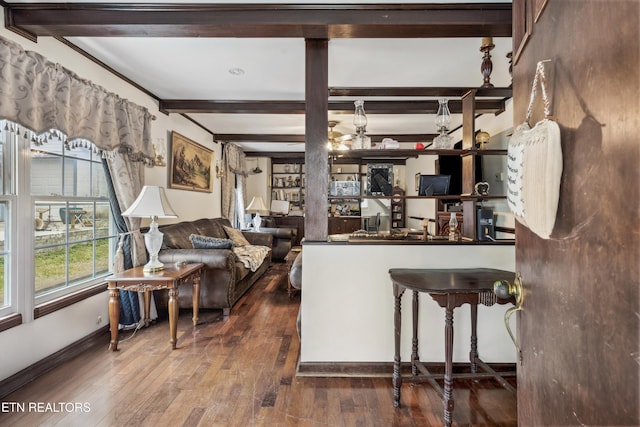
[348,304]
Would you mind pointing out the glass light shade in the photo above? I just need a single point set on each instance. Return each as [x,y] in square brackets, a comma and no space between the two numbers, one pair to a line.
[359,117]
[443,116]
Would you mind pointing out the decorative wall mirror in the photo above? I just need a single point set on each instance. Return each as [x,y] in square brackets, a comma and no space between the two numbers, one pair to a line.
[379,179]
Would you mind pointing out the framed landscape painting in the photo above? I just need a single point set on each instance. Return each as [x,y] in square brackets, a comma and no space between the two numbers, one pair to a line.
[190,167]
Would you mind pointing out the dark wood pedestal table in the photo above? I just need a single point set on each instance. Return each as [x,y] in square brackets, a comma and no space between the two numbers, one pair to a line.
[136,280]
[450,288]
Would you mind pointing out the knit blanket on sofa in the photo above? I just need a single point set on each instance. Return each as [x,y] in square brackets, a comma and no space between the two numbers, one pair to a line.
[251,256]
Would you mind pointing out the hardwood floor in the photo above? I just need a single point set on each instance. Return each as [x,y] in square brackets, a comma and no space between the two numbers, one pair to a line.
[235,372]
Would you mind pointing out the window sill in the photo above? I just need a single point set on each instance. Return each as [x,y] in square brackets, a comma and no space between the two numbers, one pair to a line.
[10,321]
[67,300]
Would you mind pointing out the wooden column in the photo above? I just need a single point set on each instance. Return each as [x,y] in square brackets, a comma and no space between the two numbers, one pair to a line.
[468,163]
[317,133]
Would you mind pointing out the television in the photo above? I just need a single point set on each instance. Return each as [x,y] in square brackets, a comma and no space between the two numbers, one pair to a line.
[434,185]
[452,165]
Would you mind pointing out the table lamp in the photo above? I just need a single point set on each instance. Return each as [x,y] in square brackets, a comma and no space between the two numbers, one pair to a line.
[256,206]
[153,203]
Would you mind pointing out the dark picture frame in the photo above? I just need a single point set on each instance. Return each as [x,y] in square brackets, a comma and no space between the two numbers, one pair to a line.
[190,166]
[434,185]
[379,179]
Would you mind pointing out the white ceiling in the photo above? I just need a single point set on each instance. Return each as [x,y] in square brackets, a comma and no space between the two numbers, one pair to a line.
[198,68]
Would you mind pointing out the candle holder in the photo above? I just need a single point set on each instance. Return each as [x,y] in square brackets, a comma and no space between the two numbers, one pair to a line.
[487,66]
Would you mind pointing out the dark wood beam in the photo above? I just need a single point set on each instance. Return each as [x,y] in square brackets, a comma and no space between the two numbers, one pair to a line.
[237,107]
[260,20]
[495,92]
[338,107]
[289,138]
[316,224]
[276,154]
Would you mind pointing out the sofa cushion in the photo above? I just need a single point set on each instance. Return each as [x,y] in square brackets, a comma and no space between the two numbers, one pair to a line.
[206,242]
[176,236]
[212,227]
[237,236]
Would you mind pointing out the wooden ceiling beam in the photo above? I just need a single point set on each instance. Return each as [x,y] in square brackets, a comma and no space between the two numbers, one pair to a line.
[337,107]
[259,20]
[453,92]
[291,138]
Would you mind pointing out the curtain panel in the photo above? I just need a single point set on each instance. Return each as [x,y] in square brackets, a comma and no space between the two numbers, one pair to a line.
[234,169]
[40,96]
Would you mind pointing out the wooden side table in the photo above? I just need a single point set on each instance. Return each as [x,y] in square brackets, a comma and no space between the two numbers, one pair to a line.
[136,280]
[450,288]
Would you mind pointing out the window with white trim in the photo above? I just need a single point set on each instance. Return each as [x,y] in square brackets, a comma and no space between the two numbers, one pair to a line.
[57,234]
[8,282]
[73,234]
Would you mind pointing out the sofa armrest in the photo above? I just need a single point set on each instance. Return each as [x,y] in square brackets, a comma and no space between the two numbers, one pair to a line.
[281,232]
[261,239]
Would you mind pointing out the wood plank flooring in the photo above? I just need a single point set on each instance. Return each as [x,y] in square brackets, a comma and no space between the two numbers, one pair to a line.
[235,372]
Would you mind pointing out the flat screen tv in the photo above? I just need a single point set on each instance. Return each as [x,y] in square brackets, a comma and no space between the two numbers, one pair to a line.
[452,165]
[434,185]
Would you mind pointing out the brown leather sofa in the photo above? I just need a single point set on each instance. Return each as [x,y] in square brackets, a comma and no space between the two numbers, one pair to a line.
[224,279]
[283,238]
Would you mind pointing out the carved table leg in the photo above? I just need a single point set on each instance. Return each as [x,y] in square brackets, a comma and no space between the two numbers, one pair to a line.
[196,299]
[414,342]
[448,368]
[173,316]
[473,354]
[147,307]
[397,320]
[114,317]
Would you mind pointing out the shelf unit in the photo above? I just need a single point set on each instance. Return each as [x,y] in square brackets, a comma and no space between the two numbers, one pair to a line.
[288,181]
[468,154]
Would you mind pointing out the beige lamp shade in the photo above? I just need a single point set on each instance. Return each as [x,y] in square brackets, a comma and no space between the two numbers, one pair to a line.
[257,205]
[151,202]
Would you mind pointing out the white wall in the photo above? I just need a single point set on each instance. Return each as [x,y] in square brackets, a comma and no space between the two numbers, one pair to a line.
[30,342]
[348,304]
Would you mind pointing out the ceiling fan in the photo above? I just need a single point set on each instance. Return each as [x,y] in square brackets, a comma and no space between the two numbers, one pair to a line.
[336,140]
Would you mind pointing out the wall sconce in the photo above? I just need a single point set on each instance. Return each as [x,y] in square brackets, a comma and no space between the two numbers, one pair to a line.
[159,155]
[219,170]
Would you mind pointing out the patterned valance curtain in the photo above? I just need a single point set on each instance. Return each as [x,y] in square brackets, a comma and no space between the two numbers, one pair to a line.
[233,160]
[40,96]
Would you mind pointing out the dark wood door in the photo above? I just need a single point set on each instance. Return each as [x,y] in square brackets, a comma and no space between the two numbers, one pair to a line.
[579,328]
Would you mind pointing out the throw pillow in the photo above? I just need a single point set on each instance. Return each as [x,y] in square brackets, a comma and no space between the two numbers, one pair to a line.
[237,236]
[205,242]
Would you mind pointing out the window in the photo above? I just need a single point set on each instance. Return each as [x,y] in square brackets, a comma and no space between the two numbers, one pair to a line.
[8,282]
[73,234]
[57,234]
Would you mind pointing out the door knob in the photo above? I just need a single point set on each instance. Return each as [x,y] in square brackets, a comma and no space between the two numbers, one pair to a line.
[504,289]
